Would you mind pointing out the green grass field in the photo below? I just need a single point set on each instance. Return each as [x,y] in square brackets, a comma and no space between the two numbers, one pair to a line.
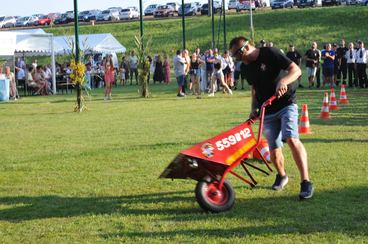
[93,177]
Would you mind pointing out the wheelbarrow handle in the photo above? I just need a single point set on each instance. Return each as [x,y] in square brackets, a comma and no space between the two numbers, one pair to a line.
[269,101]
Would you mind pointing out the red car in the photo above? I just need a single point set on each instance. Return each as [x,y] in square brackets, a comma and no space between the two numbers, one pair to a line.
[164,11]
[43,20]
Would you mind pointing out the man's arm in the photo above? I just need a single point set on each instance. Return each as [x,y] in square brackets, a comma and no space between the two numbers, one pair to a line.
[293,72]
[253,113]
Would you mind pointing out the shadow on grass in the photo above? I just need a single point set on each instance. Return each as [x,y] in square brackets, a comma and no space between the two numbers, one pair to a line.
[342,210]
[327,140]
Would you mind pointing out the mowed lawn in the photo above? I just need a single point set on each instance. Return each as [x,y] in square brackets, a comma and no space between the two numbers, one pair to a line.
[93,177]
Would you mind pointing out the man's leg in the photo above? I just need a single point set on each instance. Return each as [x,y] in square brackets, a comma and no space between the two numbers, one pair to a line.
[290,134]
[300,157]
[278,160]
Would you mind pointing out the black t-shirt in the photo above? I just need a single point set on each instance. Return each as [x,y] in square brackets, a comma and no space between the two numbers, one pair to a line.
[312,54]
[194,65]
[264,73]
[294,56]
[340,53]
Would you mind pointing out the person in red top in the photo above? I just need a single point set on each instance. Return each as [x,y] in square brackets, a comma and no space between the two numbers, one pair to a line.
[109,78]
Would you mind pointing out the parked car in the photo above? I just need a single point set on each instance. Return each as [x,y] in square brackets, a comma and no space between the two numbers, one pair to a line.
[282,4]
[129,13]
[61,20]
[189,9]
[216,7]
[108,15]
[175,6]
[245,5]
[331,2]
[69,16]
[199,6]
[307,3]
[150,9]
[88,15]
[233,4]
[43,20]
[54,16]
[163,11]
[116,8]
[26,21]
[7,21]
[365,3]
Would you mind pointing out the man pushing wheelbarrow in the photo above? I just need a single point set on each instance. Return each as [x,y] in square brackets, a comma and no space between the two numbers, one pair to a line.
[271,75]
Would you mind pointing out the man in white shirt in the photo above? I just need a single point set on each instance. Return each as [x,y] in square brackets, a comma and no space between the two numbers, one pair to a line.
[361,61]
[133,62]
[350,60]
[179,69]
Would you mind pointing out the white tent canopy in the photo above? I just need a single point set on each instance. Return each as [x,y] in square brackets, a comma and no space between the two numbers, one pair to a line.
[28,44]
[103,43]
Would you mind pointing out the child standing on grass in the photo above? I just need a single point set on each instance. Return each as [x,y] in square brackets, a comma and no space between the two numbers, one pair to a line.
[109,79]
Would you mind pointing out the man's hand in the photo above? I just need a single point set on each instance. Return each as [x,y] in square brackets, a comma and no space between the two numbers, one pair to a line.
[281,89]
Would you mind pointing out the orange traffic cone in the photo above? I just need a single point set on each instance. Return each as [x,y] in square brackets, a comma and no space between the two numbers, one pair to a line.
[333,102]
[343,97]
[264,150]
[325,112]
[304,121]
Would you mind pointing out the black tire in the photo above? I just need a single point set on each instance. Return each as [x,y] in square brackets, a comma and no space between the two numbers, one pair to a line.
[206,193]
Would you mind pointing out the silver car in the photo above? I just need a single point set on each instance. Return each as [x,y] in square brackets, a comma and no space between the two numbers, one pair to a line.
[26,21]
[108,15]
[150,9]
[7,21]
[129,13]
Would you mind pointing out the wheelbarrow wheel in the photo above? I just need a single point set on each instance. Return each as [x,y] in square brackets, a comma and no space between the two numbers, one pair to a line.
[212,199]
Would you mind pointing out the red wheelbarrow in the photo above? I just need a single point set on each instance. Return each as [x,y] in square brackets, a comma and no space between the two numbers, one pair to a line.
[210,161]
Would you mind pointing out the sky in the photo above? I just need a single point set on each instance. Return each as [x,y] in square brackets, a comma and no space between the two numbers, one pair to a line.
[29,7]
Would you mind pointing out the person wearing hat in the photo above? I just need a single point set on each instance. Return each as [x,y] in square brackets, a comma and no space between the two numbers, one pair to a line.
[270,72]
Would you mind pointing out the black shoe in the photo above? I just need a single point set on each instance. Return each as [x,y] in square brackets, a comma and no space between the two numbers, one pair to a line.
[301,86]
[280,182]
[306,190]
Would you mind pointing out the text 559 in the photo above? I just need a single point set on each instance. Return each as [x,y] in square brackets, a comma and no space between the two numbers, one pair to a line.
[233,139]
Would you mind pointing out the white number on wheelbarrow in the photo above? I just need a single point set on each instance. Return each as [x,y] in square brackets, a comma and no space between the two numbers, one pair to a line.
[233,139]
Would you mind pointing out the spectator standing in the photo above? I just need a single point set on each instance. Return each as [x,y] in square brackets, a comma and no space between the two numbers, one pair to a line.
[166,69]
[179,69]
[342,61]
[210,61]
[203,66]
[109,78]
[328,57]
[158,75]
[133,64]
[123,70]
[312,57]
[195,74]
[361,61]
[227,66]
[187,68]
[294,56]
[350,57]
[13,92]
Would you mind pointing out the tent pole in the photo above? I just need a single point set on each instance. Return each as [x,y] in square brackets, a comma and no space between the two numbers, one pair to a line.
[53,65]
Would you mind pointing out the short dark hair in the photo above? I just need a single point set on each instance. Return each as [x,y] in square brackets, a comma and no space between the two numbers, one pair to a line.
[178,52]
[237,40]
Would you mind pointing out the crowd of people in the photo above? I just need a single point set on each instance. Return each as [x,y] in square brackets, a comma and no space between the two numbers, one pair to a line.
[200,72]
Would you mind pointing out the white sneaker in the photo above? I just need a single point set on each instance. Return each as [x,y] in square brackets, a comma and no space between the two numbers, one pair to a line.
[211,95]
[230,92]
[105,98]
